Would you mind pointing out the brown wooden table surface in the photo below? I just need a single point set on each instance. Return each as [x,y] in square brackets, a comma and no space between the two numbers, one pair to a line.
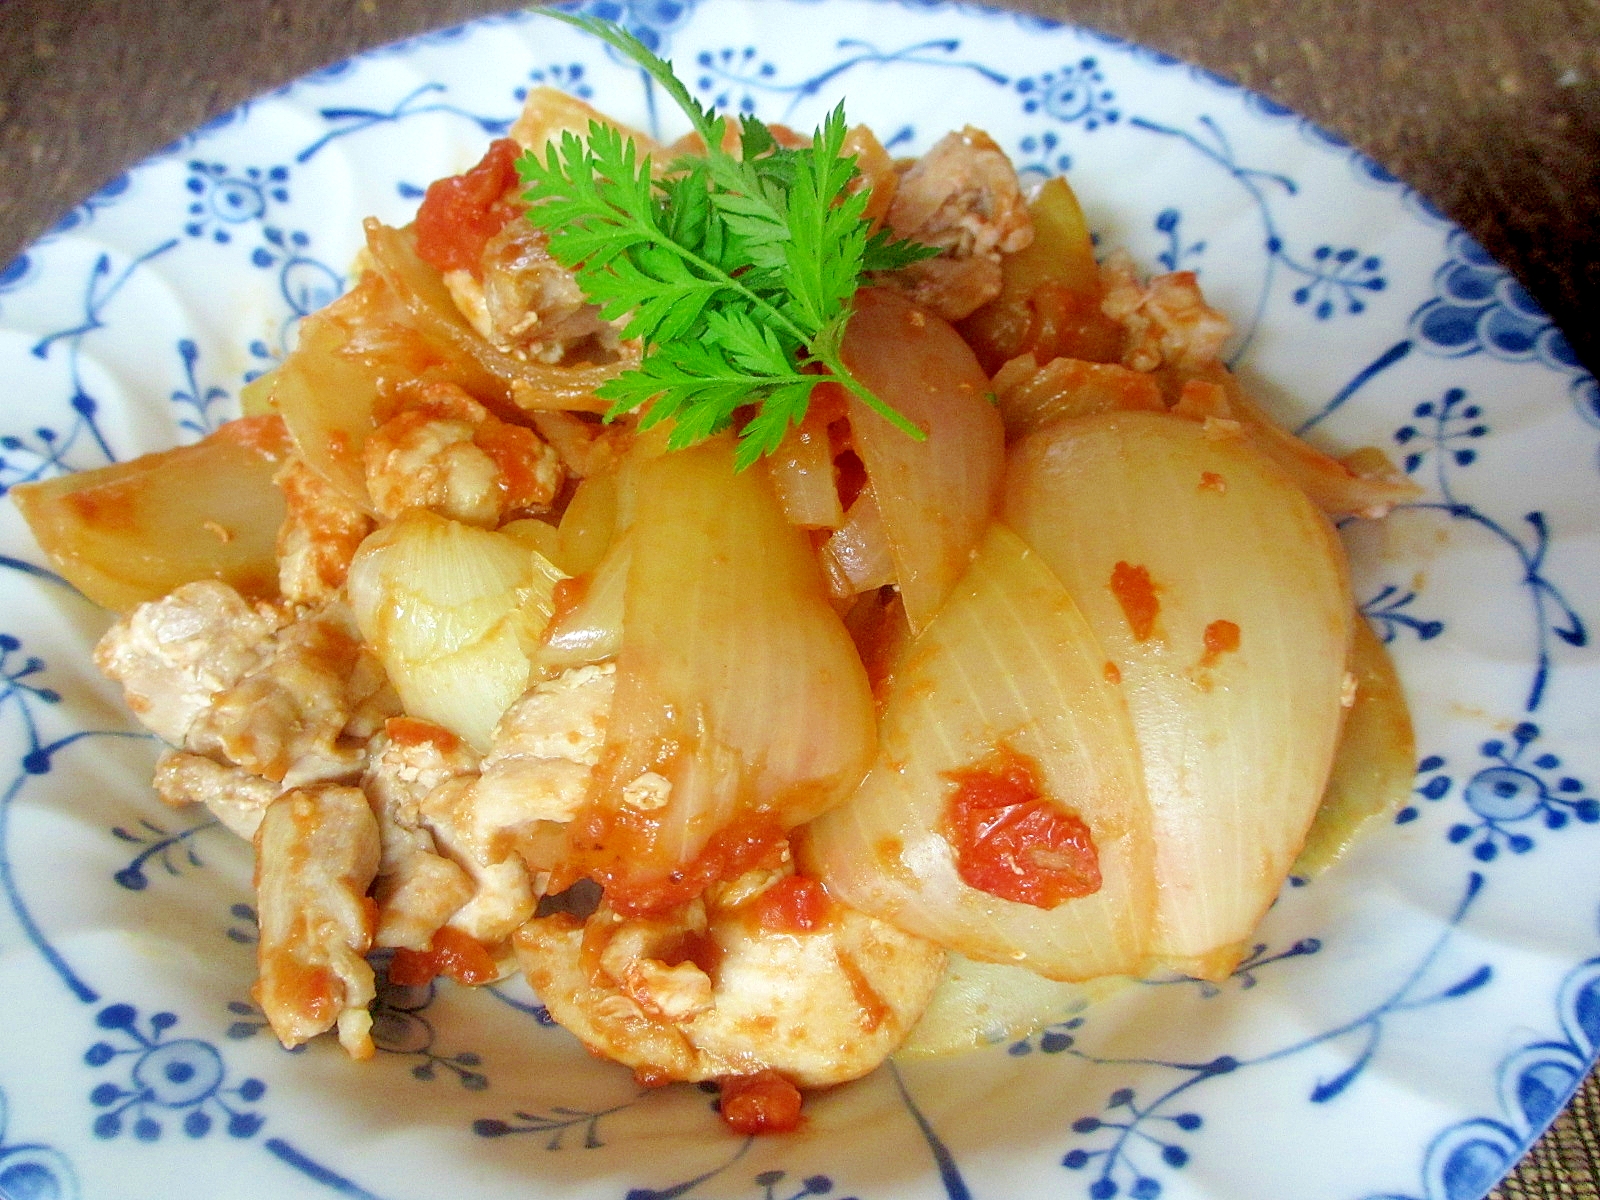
[1490,108]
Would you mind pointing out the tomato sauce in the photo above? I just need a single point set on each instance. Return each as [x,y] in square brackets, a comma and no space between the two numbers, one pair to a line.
[795,904]
[311,993]
[765,1102]
[1136,593]
[1011,841]
[616,848]
[451,953]
[1220,637]
[517,454]
[460,213]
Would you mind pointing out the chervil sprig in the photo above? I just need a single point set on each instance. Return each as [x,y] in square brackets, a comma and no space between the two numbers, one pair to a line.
[735,270]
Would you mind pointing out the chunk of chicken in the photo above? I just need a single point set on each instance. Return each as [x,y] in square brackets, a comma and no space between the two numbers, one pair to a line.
[537,771]
[316,855]
[962,196]
[480,840]
[717,991]
[526,303]
[1167,320]
[417,888]
[174,655]
[286,719]
[319,536]
[285,693]
[445,452]
[545,750]
[235,796]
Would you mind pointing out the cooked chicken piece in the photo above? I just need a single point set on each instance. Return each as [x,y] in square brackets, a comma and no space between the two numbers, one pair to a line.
[371,698]
[445,452]
[285,693]
[545,750]
[235,797]
[417,888]
[962,196]
[453,835]
[478,837]
[172,656]
[526,303]
[286,718]
[319,535]
[316,855]
[731,987]
[1168,321]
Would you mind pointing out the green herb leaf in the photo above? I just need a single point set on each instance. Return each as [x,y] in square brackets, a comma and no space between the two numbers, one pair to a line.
[735,271]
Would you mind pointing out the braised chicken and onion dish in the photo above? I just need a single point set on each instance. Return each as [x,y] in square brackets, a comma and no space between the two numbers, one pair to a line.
[609,590]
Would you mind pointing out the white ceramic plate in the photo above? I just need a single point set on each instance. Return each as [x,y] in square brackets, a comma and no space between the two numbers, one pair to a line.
[1408,1023]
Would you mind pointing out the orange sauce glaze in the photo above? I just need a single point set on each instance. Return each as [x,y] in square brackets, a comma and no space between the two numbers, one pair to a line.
[452,953]
[765,1102]
[1220,637]
[1067,323]
[411,732]
[1011,841]
[615,847]
[517,455]
[310,992]
[568,594]
[460,213]
[795,904]
[1137,594]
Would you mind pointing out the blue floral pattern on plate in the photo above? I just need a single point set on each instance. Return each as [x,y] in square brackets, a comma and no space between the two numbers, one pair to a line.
[1464,931]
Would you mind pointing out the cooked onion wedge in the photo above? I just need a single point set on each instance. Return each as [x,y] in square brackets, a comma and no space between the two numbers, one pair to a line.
[454,614]
[736,681]
[1220,593]
[1008,663]
[936,495]
[1376,762]
[134,531]
[979,1004]
[1364,484]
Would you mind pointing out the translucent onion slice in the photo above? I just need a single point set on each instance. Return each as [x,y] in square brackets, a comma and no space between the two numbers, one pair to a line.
[454,614]
[1375,766]
[1220,593]
[1008,662]
[531,385]
[935,495]
[736,681]
[134,531]
[803,475]
[980,1004]
[587,626]
[1031,396]
[1367,485]
[856,556]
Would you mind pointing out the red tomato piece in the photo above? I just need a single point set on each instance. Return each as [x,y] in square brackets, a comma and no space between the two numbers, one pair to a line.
[1011,841]
[795,904]
[462,212]
[765,1102]
[451,953]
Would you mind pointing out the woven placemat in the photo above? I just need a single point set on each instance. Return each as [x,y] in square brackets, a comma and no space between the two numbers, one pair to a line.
[1565,1163]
